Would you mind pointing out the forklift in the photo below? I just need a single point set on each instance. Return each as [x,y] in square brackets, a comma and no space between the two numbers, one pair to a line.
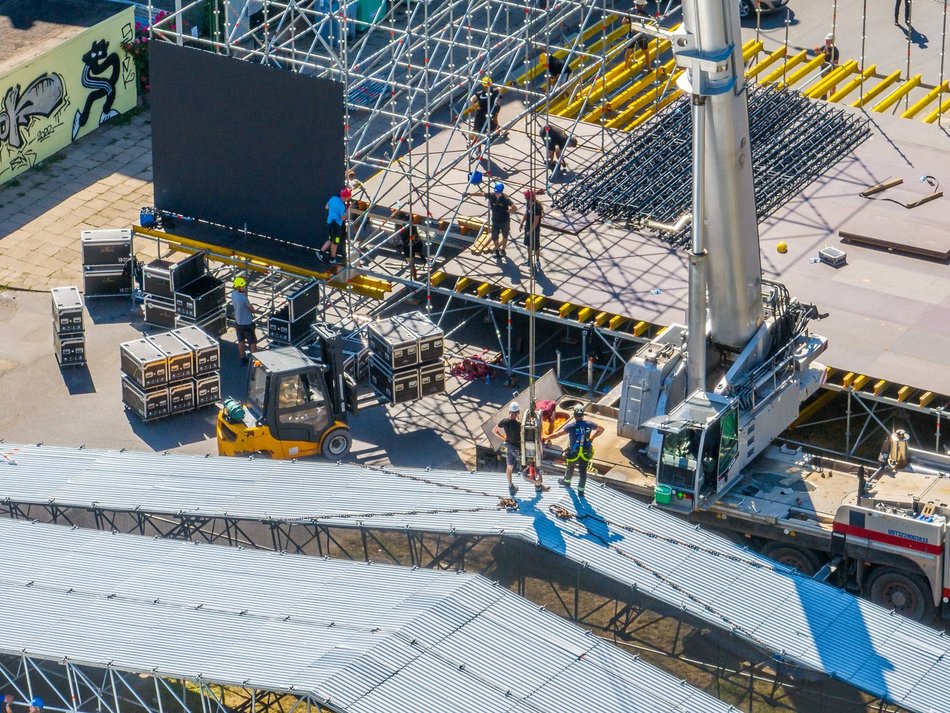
[296,406]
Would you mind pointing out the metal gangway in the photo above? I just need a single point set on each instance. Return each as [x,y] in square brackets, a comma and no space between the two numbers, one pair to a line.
[304,506]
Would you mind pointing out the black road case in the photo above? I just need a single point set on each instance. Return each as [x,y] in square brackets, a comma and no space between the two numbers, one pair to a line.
[181,396]
[70,349]
[283,330]
[430,337]
[144,363]
[159,312]
[186,271]
[215,323]
[206,349]
[156,279]
[178,355]
[201,297]
[148,404]
[303,301]
[393,344]
[431,378]
[67,310]
[107,280]
[396,386]
[112,246]
[207,389]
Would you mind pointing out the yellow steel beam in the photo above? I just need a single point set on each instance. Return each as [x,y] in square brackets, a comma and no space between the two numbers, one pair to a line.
[651,110]
[936,113]
[657,78]
[877,90]
[484,289]
[925,398]
[848,378]
[919,105]
[645,101]
[836,76]
[438,277]
[565,309]
[754,71]
[616,321]
[601,318]
[792,77]
[853,84]
[879,387]
[898,94]
[640,327]
[462,283]
[507,295]
[904,392]
[779,72]
[584,314]
[860,381]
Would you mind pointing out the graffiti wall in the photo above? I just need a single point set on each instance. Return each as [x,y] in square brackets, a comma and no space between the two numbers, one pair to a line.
[56,98]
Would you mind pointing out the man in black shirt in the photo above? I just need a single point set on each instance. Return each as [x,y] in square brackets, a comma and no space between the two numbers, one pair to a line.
[555,140]
[501,207]
[408,240]
[509,430]
[487,101]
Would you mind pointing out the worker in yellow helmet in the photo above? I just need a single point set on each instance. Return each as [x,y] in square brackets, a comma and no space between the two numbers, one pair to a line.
[243,319]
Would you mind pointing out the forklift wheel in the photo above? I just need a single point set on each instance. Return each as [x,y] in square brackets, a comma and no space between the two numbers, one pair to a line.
[336,444]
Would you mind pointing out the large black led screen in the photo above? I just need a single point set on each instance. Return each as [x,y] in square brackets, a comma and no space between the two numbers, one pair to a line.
[242,144]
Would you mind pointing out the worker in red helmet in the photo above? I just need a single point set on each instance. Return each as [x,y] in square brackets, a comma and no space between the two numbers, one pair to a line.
[336,225]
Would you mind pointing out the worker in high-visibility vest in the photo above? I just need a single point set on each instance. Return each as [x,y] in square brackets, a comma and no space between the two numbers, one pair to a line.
[580,451]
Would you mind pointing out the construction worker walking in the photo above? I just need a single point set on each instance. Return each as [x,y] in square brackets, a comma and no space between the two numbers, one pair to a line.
[580,449]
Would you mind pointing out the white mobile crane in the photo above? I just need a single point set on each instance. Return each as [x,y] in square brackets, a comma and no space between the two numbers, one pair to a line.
[708,399]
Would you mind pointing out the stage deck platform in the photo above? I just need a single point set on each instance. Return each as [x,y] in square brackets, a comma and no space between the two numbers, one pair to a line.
[889,313]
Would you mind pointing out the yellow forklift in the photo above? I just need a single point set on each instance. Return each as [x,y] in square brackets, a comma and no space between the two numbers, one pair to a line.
[296,406]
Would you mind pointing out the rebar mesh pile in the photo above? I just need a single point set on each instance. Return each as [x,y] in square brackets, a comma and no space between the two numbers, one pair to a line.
[794,140]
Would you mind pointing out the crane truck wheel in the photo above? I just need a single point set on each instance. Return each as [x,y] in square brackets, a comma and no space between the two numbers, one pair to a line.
[745,8]
[336,444]
[805,561]
[905,593]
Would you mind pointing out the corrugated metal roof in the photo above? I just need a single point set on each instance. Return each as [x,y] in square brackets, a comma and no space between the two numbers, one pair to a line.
[771,606]
[358,637]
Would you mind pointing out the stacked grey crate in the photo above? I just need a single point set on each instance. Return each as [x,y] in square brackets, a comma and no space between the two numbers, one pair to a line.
[291,322]
[69,338]
[107,262]
[184,294]
[406,357]
[169,373]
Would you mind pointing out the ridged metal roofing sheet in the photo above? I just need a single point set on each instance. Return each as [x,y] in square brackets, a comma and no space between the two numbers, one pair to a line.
[771,606]
[359,637]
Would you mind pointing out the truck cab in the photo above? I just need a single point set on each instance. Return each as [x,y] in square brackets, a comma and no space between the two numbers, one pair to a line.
[698,452]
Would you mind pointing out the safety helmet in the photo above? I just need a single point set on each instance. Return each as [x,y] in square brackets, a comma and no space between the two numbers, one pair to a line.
[529,193]
[239,282]
[830,37]
[345,193]
[486,81]
[782,247]
[37,702]
[578,411]
[514,408]
[499,187]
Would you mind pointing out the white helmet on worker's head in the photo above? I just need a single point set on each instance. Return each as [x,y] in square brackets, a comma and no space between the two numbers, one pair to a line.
[514,408]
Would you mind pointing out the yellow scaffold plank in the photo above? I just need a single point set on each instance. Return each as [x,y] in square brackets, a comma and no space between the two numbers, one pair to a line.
[879,387]
[921,104]
[535,302]
[601,318]
[438,277]
[616,321]
[507,295]
[584,314]
[462,283]
[640,327]
[848,378]
[484,289]
[853,84]
[791,78]
[898,94]
[751,49]
[565,309]
[836,76]
[753,72]
[779,72]
[644,102]
[658,78]
[904,392]
[877,90]
[925,398]
[860,381]
[936,113]
[602,88]
[611,48]
[651,110]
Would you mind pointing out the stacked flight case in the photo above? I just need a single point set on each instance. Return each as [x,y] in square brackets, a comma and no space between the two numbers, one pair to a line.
[69,338]
[406,357]
[169,373]
[184,294]
[107,262]
[292,321]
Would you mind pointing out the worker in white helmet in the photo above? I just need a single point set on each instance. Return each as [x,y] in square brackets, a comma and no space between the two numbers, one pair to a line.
[509,430]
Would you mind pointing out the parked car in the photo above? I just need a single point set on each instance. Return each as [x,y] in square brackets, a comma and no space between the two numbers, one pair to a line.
[747,8]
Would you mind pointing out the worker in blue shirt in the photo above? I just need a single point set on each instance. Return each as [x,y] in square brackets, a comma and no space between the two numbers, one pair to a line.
[581,447]
[336,220]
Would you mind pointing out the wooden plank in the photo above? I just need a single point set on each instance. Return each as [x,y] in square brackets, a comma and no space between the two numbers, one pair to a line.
[782,71]
[848,379]
[801,72]
[938,112]
[860,381]
[836,76]
[438,277]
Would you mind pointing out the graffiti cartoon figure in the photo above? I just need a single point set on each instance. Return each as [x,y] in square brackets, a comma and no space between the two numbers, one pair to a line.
[40,99]
[100,73]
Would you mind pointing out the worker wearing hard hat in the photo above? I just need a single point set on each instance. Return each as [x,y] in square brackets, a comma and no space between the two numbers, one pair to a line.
[500,208]
[487,103]
[509,431]
[243,319]
[580,449]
